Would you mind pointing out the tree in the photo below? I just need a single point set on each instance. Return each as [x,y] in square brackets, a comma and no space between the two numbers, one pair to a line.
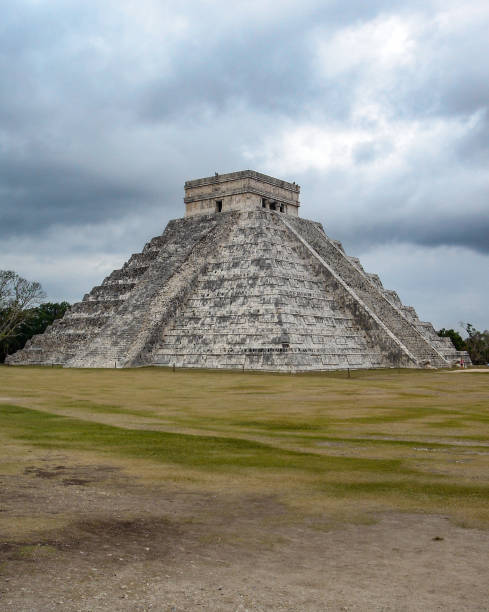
[455,337]
[17,297]
[36,322]
[477,344]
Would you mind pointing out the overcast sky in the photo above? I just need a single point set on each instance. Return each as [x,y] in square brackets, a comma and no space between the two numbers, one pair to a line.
[378,109]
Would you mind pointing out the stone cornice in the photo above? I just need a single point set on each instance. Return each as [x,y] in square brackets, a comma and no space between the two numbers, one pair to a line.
[242,174]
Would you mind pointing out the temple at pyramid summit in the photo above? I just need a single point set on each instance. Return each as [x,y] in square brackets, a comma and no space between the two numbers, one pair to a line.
[241,282]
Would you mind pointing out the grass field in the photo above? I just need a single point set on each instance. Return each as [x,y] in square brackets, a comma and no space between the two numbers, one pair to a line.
[147,489]
[323,444]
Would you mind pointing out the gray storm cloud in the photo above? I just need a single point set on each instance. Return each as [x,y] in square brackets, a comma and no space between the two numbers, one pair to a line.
[379,110]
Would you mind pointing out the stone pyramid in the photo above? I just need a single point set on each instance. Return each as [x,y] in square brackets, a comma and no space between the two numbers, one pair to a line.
[241,283]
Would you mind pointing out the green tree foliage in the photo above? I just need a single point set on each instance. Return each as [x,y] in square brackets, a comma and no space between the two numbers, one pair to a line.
[455,337]
[477,344]
[35,321]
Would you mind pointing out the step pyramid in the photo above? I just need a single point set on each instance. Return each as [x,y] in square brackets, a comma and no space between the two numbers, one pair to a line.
[241,282]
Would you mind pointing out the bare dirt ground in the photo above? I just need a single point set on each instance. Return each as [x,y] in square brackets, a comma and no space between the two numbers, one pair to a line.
[486,370]
[112,542]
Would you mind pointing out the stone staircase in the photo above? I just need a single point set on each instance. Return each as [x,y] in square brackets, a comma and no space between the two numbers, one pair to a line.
[159,290]
[386,305]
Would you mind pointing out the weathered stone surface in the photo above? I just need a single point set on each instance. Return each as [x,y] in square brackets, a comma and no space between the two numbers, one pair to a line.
[250,288]
[244,190]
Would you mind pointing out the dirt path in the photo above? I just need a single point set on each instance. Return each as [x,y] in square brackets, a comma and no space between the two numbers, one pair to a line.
[464,371]
[111,542]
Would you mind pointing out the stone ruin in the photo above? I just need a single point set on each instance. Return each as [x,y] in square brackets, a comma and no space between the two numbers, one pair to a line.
[241,282]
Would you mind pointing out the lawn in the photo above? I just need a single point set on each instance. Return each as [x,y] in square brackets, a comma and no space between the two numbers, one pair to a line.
[323,444]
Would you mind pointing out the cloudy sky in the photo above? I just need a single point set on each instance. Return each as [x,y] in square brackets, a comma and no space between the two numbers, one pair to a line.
[378,109]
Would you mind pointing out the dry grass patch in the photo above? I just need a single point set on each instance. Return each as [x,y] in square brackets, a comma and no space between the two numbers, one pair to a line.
[380,440]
